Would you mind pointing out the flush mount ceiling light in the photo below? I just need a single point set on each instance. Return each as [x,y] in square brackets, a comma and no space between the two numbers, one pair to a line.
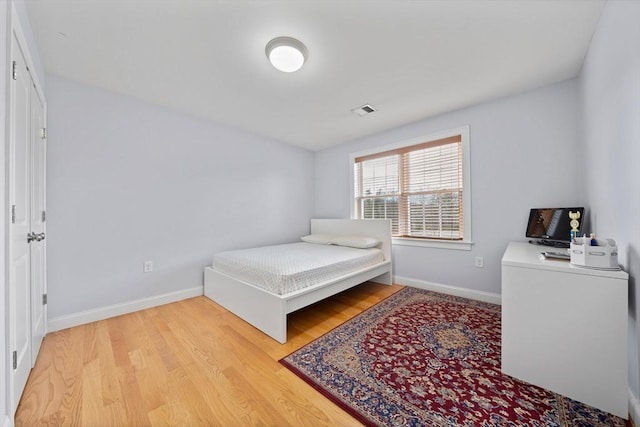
[286,54]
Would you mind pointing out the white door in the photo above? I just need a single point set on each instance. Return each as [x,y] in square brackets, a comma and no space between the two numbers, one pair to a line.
[19,227]
[38,279]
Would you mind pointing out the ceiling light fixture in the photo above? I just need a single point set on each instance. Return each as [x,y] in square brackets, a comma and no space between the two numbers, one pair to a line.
[286,54]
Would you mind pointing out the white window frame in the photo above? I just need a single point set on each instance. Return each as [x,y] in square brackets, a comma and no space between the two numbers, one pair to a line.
[466,242]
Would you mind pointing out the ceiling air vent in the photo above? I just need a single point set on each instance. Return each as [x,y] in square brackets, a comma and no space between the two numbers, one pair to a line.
[364,110]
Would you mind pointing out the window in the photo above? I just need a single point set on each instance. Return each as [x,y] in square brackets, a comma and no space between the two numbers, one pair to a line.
[421,186]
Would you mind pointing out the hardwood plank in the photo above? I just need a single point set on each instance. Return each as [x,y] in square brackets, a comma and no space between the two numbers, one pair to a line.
[91,392]
[204,366]
[133,402]
[52,395]
[111,392]
[308,407]
[187,363]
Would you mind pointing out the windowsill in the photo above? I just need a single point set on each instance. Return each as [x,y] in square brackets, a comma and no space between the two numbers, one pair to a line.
[426,243]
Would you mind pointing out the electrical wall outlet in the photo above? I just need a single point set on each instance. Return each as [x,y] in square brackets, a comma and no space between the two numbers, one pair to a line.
[147,266]
[479,261]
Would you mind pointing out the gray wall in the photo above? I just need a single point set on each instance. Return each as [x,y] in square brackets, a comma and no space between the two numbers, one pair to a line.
[610,90]
[523,152]
[130,182]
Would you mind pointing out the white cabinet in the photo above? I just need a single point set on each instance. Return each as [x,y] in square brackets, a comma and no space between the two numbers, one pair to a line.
[564,327]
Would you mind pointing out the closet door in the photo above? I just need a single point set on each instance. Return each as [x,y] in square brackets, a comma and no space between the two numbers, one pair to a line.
[37,246]
[26,253]
[19,227]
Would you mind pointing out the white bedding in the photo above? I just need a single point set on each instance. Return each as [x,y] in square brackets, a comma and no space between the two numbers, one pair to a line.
[282,269]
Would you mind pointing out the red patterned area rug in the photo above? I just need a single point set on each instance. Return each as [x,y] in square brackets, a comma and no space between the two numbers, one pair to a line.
[421,358]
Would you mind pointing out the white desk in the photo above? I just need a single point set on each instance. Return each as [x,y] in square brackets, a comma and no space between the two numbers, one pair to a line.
[564,327]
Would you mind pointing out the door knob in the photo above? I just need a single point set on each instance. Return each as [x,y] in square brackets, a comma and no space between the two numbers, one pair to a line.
[37,237]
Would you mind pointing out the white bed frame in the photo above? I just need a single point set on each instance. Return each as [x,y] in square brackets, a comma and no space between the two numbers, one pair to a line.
[268,311]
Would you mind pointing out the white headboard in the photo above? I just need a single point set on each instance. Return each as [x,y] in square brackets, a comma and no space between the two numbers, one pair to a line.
[378,228]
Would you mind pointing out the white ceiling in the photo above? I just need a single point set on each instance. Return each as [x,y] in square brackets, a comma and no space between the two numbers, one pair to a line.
[410,59]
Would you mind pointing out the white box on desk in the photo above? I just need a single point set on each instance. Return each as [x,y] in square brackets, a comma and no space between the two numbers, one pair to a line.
[604,255]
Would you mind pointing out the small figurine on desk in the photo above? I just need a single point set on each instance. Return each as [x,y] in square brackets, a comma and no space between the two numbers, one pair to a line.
[593,241]
[575,216]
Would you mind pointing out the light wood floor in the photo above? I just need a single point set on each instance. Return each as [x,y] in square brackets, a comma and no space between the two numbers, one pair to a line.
[190,363]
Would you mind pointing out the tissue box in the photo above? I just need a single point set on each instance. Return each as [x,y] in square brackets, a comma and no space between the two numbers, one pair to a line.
[604,255]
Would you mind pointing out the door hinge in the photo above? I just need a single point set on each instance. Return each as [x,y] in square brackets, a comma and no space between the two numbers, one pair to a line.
[15,359]
[13,214]
[44,216]
[44,299]
[43,133]
[14,73]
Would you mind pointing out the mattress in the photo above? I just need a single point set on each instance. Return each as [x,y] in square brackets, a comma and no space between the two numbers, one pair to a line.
[282,269]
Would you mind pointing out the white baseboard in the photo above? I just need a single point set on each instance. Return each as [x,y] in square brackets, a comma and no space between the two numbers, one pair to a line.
[634,408]
[449,290]
[83,317]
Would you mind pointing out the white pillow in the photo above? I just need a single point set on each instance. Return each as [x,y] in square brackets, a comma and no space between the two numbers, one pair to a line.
[321,239]
[356,241]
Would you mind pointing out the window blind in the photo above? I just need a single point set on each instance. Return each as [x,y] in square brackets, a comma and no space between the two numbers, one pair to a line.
[418,187]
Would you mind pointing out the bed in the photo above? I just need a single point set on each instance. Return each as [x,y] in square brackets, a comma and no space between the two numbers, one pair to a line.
[258,298]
